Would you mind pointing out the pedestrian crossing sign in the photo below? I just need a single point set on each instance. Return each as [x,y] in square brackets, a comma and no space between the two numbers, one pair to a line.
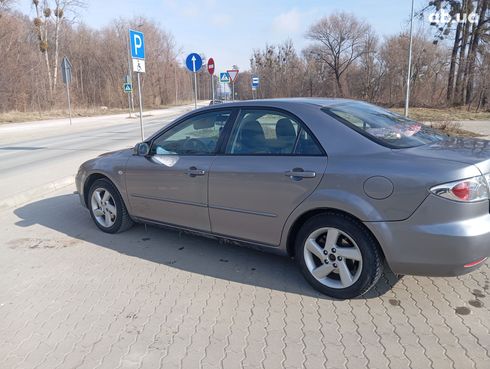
[128,87]
[224,77]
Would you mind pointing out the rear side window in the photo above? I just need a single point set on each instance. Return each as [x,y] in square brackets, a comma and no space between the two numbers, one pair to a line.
[306,145]
[383,126]
[263,132]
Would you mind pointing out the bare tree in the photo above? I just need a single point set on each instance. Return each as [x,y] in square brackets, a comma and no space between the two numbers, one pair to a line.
[5,5]
[280,69]
[480,30]
[429,63]
[19,89]
[467,39]
[346,58]
[340,39]
[49,20]
[370,69]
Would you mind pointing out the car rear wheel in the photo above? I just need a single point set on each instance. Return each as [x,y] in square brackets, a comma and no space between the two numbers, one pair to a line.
[338,256]
[107,207]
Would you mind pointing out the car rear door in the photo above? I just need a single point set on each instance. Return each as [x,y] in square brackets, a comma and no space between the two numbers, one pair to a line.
[171,184]
[271,163]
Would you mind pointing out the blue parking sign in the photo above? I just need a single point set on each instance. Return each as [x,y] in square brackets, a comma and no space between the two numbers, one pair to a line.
[137,42]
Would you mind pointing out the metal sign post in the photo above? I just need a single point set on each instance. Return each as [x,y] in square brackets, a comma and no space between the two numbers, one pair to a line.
[139,67]
[223,79]
[255,85]
[129,104]
[69,100]
[129,78]
[141,106]
[233,73]
[195,90]
[128,89]
[66,73]
[137,45]
[193,62]
[211,72]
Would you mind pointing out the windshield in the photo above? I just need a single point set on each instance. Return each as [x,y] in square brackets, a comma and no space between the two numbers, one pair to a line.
[387,128]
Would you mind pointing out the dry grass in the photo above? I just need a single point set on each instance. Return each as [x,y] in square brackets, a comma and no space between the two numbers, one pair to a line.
[18,117]
[443,115]
[452,128]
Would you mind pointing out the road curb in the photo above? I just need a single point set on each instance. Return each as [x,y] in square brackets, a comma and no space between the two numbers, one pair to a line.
[35,193]
[102,119]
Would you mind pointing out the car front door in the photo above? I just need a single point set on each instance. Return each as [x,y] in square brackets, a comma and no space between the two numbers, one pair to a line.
[170,185]
[271,163]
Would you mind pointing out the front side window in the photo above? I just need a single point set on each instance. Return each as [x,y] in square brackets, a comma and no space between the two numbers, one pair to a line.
[263,132]
[197,135]
[384,126]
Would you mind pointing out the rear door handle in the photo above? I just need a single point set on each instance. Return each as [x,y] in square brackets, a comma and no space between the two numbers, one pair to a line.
[299,173]
[193,172]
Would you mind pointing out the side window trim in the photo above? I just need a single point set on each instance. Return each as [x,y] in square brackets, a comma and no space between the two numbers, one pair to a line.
[230,123]
[296,142]
[233,121]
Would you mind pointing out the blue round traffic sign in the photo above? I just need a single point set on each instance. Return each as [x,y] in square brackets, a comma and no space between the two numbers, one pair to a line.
[193,62]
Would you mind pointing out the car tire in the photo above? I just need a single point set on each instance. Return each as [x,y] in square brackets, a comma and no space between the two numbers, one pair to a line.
[338,256]
[107,207]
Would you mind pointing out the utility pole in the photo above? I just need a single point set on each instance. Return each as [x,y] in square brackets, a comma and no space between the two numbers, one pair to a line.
[409,72]
[176,86]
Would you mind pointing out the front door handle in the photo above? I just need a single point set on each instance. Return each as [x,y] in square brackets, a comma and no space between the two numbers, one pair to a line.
[193,172]
[300,173]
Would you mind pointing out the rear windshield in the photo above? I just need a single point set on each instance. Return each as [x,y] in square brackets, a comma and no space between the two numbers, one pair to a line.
[383,126]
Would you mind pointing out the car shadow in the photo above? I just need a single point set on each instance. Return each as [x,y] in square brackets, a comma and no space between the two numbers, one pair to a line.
[180,250]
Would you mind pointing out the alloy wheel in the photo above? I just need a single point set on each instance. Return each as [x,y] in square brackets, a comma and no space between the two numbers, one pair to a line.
[333,258]
[103,207]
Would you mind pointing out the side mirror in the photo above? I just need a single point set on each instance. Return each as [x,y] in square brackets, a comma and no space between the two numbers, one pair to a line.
[141,149]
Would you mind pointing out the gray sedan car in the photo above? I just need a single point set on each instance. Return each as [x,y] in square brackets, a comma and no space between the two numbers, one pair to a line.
[340,185]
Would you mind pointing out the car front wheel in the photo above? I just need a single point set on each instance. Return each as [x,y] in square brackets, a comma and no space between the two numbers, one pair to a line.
[107,207]
[338,256]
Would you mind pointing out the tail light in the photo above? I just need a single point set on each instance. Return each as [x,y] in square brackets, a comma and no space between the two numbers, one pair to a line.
[467,190]
[475,263]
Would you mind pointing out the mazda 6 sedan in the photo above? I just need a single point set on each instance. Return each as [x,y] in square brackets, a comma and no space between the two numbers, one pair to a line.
[344,187]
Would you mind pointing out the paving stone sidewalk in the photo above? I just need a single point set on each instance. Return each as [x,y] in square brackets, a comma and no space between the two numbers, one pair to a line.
[73,297]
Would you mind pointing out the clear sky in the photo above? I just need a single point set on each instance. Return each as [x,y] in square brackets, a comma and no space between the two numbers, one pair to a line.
[229,30]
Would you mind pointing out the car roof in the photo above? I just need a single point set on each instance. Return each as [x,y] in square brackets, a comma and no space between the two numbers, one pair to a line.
[282,102]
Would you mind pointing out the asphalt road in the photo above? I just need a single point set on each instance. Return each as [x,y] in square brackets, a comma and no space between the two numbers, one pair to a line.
[42,156]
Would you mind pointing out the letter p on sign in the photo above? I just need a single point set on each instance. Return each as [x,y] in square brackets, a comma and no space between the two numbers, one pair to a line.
[137,42]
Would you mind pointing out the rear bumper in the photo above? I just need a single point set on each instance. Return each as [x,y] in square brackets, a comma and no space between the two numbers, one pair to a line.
[449,247]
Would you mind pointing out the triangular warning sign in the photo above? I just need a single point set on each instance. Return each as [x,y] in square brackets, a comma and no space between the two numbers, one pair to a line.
[233,73]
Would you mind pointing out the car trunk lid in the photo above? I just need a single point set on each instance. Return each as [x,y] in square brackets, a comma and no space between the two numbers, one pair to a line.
[463,150]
